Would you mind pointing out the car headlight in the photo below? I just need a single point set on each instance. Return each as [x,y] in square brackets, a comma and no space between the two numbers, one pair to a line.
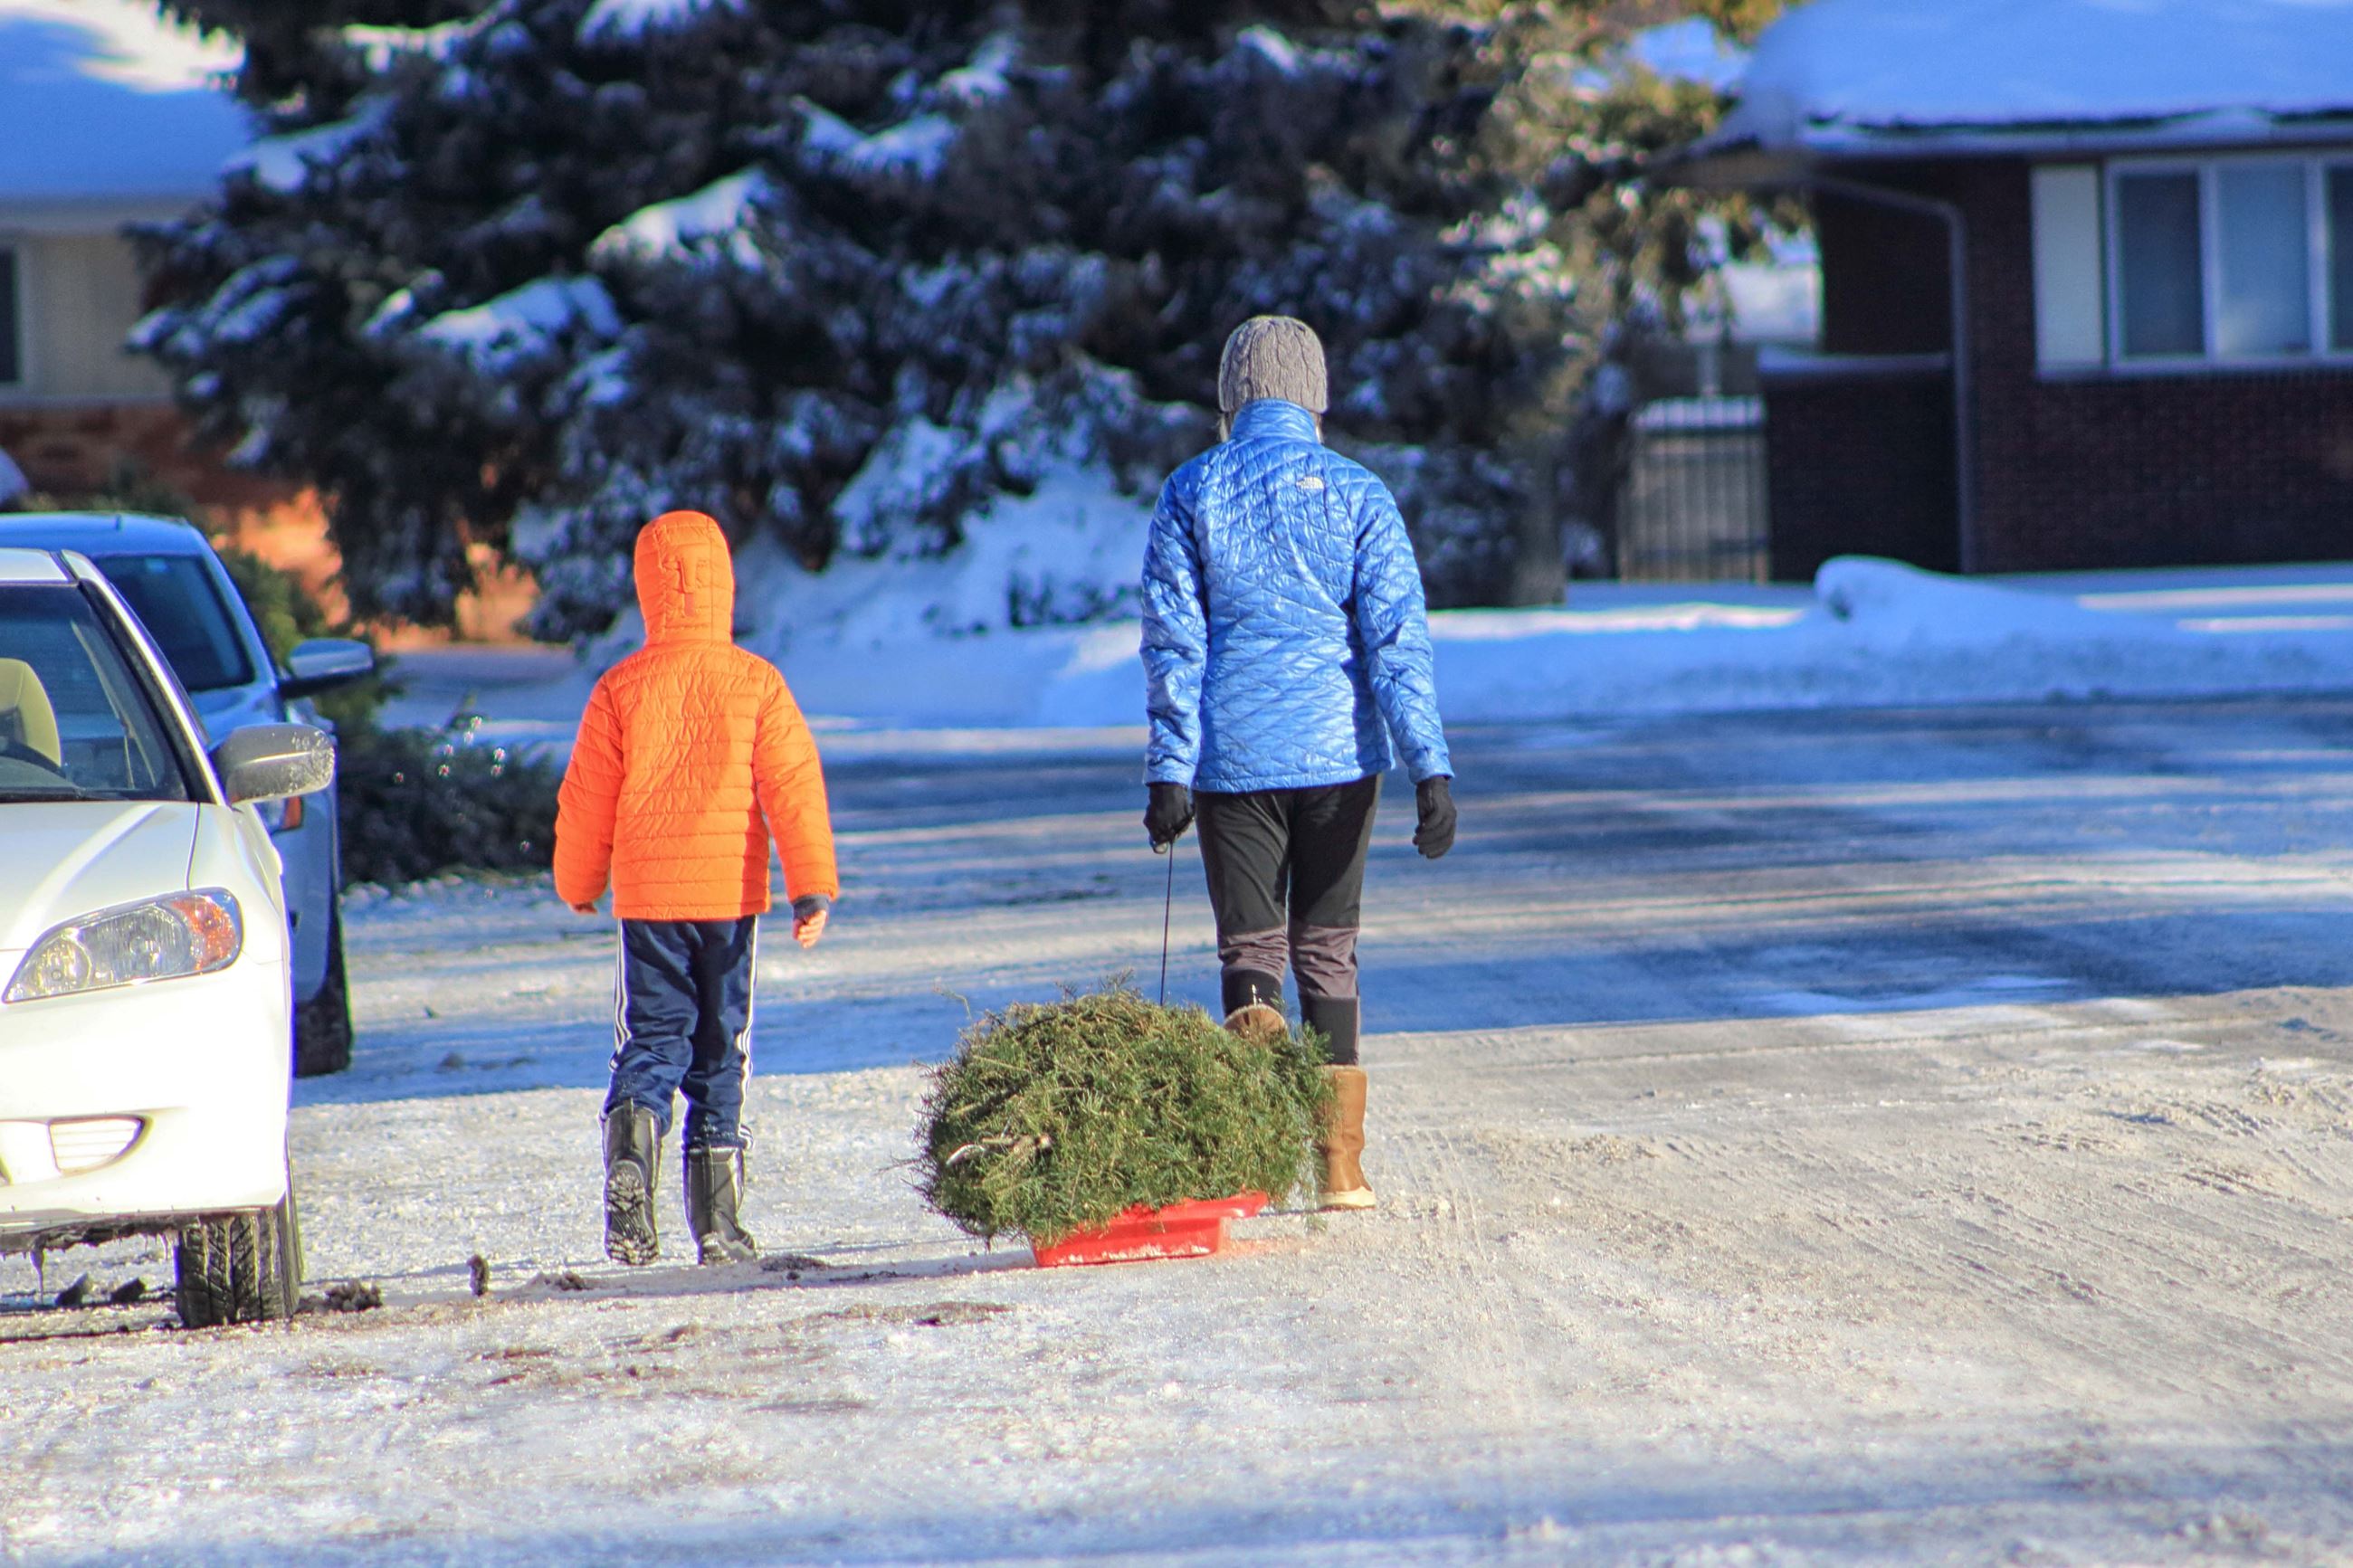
[158,938]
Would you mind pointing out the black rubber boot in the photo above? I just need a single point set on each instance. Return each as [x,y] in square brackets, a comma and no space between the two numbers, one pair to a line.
[632,1154]
[1254,1005]
[1335,1018]
[714,1183]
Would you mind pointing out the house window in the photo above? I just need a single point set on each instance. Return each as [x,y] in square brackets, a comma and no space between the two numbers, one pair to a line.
[2231,261]
[2160,265]
[2264,262]
[11,366]
[2340,258]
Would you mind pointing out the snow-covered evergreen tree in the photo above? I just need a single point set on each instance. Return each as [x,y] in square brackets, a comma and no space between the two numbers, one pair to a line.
[840,271]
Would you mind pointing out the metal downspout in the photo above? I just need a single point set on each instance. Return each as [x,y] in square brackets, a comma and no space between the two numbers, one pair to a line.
[1965,484]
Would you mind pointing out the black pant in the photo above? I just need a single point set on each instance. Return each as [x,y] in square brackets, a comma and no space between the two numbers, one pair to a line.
[1286,870]
[682,1020]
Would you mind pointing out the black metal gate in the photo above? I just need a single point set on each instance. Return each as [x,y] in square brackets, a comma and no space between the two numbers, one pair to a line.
[1694,507]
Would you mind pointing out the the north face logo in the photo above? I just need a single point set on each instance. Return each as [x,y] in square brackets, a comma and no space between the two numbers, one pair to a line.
[1309,483]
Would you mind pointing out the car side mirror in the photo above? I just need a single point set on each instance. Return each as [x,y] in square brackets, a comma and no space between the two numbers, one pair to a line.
[271,762]
[323,662]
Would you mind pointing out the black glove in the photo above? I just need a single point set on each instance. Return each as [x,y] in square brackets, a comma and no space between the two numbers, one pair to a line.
[1169,814]
[1435,804]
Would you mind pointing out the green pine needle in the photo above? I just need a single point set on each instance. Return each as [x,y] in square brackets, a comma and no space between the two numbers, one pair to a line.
[1055,1117]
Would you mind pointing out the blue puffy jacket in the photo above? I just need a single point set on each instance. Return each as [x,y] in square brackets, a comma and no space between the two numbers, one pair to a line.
[1284,639]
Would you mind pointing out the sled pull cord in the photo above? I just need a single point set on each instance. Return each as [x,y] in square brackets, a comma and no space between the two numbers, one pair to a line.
[1167,909]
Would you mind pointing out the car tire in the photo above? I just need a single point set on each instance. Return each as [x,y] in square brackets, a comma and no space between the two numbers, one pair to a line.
[322,1025]
[244,1269]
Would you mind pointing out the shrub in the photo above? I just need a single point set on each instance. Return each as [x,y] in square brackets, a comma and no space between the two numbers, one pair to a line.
[412,801]
[415,801]
[1055,1117]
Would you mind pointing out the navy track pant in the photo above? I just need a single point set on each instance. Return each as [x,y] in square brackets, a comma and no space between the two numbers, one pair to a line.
[683,1021]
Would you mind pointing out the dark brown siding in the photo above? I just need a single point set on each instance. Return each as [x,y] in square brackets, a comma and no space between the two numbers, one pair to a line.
[2204,469]
[1860,465]
[1883,284]
[2087,470]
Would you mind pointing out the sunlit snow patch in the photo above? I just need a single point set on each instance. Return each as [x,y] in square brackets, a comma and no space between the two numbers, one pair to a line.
[284,163]
[496,334]
[609,20]
[915,147]
[669,230]
[986,76]
[1696,615]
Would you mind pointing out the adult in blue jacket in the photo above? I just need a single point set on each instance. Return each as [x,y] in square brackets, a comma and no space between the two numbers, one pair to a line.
[1285,653]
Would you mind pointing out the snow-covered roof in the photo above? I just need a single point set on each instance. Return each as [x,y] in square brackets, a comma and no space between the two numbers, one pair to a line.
[1864,77]
[104,105]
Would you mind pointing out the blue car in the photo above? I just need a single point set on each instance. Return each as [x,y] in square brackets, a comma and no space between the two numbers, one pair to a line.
[167,573]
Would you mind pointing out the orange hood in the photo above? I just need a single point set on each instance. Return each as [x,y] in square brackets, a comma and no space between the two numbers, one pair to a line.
[686,582]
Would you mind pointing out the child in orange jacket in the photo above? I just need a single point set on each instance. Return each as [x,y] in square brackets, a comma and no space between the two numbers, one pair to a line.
[690,754]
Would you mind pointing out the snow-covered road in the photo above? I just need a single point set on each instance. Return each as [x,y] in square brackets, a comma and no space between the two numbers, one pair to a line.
[1846,1137]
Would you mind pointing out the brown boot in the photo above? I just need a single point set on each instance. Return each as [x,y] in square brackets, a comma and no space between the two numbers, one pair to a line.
[1254,1006]
[1258,1022]
[1343,1141]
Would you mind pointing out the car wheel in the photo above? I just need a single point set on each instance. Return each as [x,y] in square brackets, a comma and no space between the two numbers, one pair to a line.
[246,1268]
[322,1025]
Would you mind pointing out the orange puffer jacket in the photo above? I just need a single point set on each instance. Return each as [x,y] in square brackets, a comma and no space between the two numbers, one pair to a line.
[686,746]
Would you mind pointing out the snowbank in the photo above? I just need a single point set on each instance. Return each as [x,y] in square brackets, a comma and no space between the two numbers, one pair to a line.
[862,641]
[1876,634]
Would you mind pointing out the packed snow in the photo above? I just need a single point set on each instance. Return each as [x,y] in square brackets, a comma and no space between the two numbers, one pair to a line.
[1863,64]
[1802,1139]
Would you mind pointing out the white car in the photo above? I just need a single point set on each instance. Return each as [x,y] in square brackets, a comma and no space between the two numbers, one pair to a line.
[146,989]
[177,587]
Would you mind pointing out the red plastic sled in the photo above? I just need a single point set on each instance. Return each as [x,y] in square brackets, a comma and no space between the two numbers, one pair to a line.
[1193,1229]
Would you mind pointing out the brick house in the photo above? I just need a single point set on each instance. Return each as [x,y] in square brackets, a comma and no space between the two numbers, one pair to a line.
[2087,280]
[109,118]
[106,120]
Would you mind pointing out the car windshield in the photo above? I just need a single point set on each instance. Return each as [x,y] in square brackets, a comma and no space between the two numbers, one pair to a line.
[177,601]
[75,723]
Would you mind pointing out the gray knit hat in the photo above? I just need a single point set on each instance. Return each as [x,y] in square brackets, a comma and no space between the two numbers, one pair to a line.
[1273,357]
